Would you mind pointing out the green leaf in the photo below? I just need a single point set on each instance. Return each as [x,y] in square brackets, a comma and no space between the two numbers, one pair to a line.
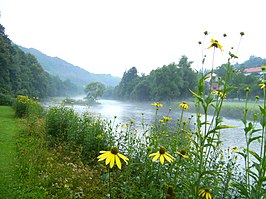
[224,127]
[262,110]
[197,96]
[252,139]
[244,155]
[241,189]
[248,128]
[254,154]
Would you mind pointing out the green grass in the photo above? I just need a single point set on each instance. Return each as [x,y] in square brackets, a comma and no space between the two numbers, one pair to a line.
[8,133]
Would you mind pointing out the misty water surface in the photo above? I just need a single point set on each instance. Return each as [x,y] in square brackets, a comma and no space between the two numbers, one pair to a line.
[126,111]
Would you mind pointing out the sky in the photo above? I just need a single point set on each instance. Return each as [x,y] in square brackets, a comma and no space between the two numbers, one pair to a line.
[111,36]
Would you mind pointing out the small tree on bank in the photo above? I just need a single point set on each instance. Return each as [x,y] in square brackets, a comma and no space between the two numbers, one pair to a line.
[94,90]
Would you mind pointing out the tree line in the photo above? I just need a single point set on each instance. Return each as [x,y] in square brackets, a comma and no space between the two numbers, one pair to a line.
[166,83]
[175,80]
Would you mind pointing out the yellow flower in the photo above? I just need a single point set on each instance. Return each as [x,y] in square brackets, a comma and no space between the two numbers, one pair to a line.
[162,154]
[205,193]
[182,153]
[112,157]
[157,104]
[218,92]
[183,105]
[166,119]
[234,149]
[263,68]
[215,44]
[262,85]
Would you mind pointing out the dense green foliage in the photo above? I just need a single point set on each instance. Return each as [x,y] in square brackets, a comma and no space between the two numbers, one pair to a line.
[173,81]
[240,82]
[77,75]
[252,62]
[21,74]
[166,83]
[85,133]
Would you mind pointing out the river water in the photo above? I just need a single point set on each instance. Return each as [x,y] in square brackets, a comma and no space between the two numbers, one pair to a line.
[126,111]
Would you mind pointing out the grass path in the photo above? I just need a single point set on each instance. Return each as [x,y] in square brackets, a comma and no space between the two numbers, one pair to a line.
[8,133]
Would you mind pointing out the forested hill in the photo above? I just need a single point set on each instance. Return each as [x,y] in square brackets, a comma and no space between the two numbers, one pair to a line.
[65,70]
[21,74]
[252,62]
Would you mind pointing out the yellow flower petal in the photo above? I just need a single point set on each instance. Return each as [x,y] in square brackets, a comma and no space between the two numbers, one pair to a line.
[153,154]
[103,156]
[162,159]
[168,158]
[156,157]
[118,162]
[108,159]
[123,157]
[112,162]
[169,155]
[201,191]
[208,196]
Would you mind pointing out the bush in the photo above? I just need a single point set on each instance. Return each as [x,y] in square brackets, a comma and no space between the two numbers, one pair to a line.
[26,106]
[84,133]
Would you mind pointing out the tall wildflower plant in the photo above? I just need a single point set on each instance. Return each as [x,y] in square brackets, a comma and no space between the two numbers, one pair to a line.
[205,140]
[254,184]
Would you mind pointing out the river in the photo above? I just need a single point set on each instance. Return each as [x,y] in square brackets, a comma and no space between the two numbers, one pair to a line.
[126,111]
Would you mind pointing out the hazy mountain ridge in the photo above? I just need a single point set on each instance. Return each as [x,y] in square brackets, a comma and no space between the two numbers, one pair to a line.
[252,62]
[65,70]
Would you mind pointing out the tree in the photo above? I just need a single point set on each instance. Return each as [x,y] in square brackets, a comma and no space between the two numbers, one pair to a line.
[94,90]
[129,80]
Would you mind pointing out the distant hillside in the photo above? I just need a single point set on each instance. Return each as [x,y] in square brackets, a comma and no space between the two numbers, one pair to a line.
[21,74]
[252,62]
[65,70]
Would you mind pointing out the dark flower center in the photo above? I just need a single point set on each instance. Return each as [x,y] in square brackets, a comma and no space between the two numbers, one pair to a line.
[114,150]
[162,150]
[183,151]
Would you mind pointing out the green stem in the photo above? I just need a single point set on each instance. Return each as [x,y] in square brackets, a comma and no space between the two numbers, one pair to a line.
[247,143]
[110,190]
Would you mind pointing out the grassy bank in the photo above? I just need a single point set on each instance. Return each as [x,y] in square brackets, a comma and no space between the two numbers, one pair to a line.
[231,109]
[8,133]
[45,167]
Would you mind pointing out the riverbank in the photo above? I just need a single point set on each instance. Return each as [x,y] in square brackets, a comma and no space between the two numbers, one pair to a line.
[58,149]
[9,131]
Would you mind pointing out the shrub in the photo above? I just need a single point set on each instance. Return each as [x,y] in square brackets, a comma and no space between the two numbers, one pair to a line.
[26,106]
[84,133]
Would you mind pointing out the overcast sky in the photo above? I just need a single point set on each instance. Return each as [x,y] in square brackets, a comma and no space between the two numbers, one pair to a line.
[111,36]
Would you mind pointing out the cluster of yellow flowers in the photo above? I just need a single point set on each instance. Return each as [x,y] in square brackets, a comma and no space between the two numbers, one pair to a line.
[218,92]
[157,104]
[183,105]
[23,99]
[113,156]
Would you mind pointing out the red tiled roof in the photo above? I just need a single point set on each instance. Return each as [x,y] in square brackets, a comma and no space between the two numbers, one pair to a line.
[253,70]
